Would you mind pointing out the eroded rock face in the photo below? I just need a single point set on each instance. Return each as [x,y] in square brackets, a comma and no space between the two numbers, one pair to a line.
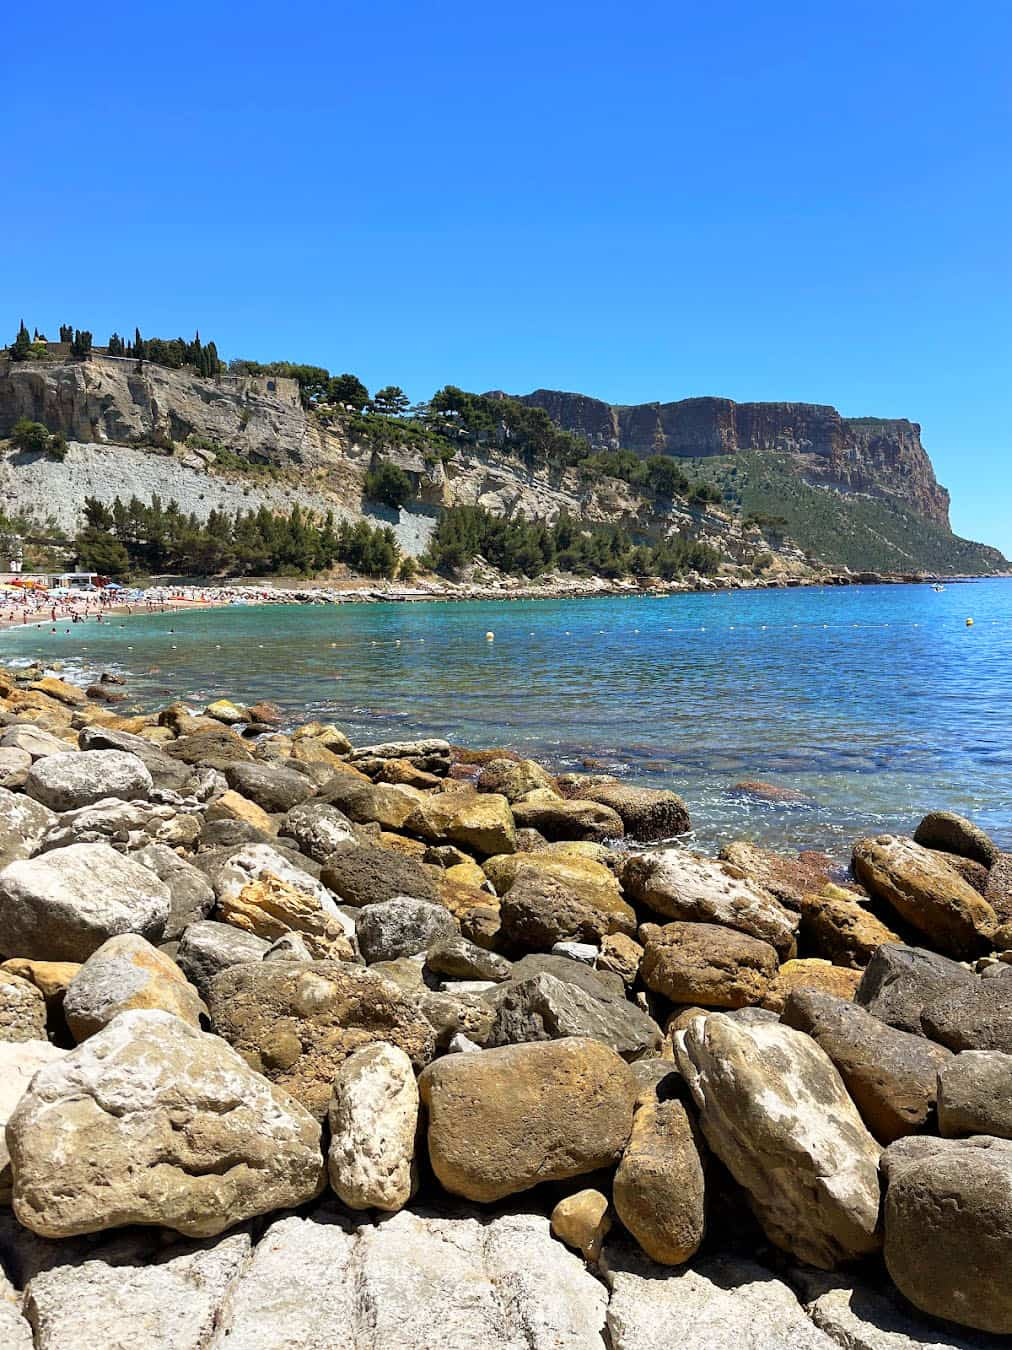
[659,1188]
[23,824]
[22,1009]
[481,822]
[646,813]
[504,1120]
[975,1095]
[837,926]
[271,908]
[899,981]
[67,781]
[373,1120]
[775,1111]
[413,1280]
[401,927]
[925,891]
[541,909]
[298,1023]
[891,1075]
[364,875]
[318,829]
[63,905]
[688,888]
[975,1017]
[19,1062]
[153,1122]
[127,973]
[948,1228]
[811,973]
[703,963]
[167,1304]
[543,1008]
[513,779]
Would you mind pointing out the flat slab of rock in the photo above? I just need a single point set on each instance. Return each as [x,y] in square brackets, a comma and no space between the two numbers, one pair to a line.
[707,964]
[689,888]
[298,1023]
[899,981]
[63,905]
[717,1304]
[152,1122]
[413,1281]
[975,1095]
[892,1075]
[543,1008]
[505,1120]
[775,1111]
[924,890]
[948,1228]
[168,1303]
[67,781]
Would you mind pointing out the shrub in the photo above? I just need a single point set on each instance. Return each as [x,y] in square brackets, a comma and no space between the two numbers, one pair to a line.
[388,484]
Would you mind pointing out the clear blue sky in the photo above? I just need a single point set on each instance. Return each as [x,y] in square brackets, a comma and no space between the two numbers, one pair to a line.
[764,201]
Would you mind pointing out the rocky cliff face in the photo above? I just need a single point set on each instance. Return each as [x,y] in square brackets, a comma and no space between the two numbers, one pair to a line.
[864,454]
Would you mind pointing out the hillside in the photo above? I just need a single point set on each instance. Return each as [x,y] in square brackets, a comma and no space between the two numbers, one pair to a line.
[763,485]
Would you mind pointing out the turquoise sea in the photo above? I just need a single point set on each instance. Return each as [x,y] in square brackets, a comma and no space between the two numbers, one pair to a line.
[876,701]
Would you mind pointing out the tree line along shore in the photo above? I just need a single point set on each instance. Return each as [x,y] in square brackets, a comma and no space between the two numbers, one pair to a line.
[303,1043]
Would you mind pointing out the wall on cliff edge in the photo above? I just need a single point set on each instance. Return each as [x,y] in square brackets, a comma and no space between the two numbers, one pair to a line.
[883,457]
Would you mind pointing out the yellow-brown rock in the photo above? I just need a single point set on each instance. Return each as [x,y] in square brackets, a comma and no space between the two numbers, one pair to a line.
[582,1221]
[51,978]
[233,805]
[127,974]
[480,822]
[836,925]
[69,694]
[269,908]
[659,1188]
[811,973]
[594,883]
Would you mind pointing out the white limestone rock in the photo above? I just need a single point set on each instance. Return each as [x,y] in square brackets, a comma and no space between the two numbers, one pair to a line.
[373,1123]
[77,778]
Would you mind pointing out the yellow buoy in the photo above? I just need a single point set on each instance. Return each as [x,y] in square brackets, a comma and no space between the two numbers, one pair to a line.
[490,636]
[969,623]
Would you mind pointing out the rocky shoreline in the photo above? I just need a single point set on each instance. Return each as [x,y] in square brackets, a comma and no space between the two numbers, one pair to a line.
[304,1044]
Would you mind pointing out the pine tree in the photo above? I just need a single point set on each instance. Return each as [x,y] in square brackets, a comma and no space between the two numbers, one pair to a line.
[22,347]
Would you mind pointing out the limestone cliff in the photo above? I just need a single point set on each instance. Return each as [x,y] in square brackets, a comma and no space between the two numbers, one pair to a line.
[883,457]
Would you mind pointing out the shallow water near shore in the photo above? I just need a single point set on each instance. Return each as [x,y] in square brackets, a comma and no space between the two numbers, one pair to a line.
[877,702]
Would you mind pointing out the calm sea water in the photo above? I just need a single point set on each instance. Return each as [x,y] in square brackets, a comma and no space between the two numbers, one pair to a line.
[877,701]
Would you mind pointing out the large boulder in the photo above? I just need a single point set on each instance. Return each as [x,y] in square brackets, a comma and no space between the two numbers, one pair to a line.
[167,1302]
[22,1009]
[975,1017]
[948,1228]
[318,829]
[234,871]
[14,766]
[775,1111]
[23,825]
[837,925]
[401,926]
[541,909]
[127,973]
[364,802]
[373,1120]
[165,771]
[689,888]
[543,1008]
[514,778]
[975,1095]
[481,822]
[646,814]
[504,1120]
[586,876]
[207,948]
[659,1187]
[706,964]
[153,1122]
[191,895]
[899,981]
[366,875]
[271,908]
[413,1281]
[82,777]
[891,1075]
[949,833]
[19,1063]
[925,891]
[272,786]
[63,905]
[297,1023]
[556,819]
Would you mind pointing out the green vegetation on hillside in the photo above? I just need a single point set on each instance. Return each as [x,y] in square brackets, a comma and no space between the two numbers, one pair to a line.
[30,436]
[529,547]
[133,537]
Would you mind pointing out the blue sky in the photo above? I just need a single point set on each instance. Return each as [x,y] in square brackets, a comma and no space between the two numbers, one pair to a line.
[763,201]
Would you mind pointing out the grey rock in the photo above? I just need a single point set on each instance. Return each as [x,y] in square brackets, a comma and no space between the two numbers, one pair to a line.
[542,1008]
[165,771]
[860,1316]
[597,983]
[948,1228]
[318,829]
[23,825]
[33,740]
[289,947]
[975,1017]
[63,905]
[723,1303]
[125,973]
[19,1062]
[975,1095]
[191,895]
[168,1303]
[899,981]
[207,948]
[127,825]
[251,863]
[464,960]
[452,1014]
[584,952]
[271,786]
[401,927]
[413,1281]
[15,1331]
[14,766]
[364,875]
[82,777]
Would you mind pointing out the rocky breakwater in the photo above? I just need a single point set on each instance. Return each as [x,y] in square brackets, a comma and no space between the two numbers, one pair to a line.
[306,1044]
